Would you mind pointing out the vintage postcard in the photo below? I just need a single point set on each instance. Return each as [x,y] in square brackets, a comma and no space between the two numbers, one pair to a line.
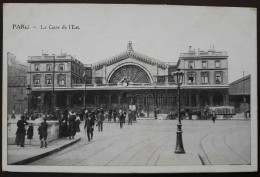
[112,88]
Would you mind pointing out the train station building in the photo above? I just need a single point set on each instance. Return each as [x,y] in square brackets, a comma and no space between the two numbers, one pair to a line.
[129,78]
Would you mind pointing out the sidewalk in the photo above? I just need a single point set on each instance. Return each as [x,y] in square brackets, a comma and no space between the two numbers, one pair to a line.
[24,155]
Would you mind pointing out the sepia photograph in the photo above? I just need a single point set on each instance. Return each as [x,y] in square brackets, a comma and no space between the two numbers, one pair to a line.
[128,88]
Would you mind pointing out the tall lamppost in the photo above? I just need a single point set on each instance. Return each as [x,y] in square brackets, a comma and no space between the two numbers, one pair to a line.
[85,80]
[53,77]
[155,102]
[29,90]
[178,76]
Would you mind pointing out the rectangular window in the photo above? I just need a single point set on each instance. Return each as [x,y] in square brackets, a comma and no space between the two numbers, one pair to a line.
[218,78]
[36,79]
[62,79]
[48,67]
[61,67]
[191,64]
[204,64]
[48,79]
[36,67]
[204,78]
[161,79]
[217,64]
[191,78]
[98,80]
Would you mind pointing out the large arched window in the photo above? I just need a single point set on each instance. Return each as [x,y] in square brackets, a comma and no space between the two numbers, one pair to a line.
[133,73]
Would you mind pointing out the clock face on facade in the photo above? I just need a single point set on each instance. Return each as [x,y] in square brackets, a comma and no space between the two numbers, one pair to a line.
[125,84]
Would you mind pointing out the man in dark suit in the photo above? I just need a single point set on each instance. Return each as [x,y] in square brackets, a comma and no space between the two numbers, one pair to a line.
[72,124]
[89,125]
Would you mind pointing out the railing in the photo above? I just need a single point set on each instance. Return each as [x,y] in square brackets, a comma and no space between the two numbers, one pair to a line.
[53,131]
[192,54]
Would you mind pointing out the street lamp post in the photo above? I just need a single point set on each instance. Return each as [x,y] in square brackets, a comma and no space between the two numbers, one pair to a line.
[178,75]
[53,77]
[85,80]
[29,90]
[155,102]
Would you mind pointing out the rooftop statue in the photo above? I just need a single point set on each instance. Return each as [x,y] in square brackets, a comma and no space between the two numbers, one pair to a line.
[129,45]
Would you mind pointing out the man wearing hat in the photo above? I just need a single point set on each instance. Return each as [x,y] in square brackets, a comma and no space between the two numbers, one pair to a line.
[72,124]
[20,133]
[88,125]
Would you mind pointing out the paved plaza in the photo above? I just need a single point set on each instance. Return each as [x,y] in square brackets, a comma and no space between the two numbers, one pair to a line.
[152,143]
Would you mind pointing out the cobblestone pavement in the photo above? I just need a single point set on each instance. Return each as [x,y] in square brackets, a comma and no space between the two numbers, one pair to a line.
[152,143]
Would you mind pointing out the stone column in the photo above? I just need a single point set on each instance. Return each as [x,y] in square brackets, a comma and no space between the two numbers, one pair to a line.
[211,99]
[197,99]
[119,99]
[68,101]
[189,99]
[226,98]
[109,99]
[42,101]
[104,74]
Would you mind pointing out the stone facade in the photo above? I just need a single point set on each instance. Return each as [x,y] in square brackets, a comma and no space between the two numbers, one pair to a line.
[17,97]
[134,78]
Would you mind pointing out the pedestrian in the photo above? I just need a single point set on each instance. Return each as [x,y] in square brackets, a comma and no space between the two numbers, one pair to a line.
[114,114]
[81,114]
[77,124]
[72,124]
[13,115]
[30,132]
[110,114]
[43,132]
[121,118]
[214,116]
[99,119]
[155,113]
[124,117]
[130,117]
[20,133]
[89,126]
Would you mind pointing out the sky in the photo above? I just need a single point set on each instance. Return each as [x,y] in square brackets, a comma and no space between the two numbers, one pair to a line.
[158,31]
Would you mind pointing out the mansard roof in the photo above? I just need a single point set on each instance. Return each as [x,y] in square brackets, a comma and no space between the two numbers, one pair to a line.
[129,53]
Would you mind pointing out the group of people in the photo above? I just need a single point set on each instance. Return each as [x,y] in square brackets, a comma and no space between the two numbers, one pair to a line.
[69,123]
[21,132]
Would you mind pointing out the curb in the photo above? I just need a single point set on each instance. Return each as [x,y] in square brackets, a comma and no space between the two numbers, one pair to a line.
[37,157]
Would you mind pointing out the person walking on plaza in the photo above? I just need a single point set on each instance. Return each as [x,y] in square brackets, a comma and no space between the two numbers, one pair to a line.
[30,132]
[13,115]
[72,124]
[43,132]
[89,125]
[77,124]
[20,133]
[99,120]
[121,118]
[130,117]
[124,117]
[214,116]
[110,114]
[114,114]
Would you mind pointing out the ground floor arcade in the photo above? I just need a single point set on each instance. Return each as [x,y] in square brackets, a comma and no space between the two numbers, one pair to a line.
[147,100]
